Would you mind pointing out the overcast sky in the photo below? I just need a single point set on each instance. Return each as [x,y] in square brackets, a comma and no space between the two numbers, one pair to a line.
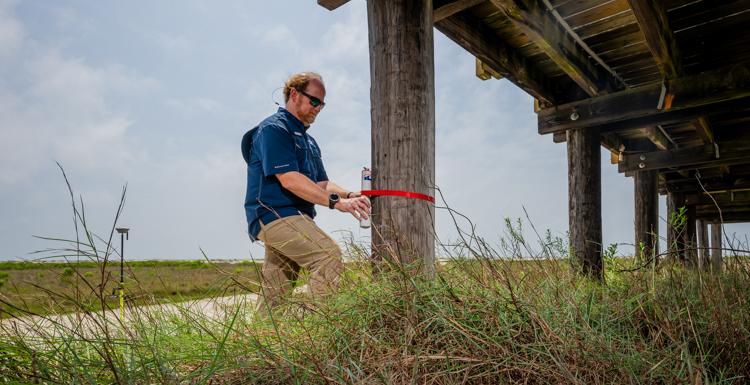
[158,94]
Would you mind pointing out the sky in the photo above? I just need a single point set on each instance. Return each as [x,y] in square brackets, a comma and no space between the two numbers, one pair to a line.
[157,95]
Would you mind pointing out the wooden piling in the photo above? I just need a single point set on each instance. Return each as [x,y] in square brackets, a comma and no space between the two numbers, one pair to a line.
[402,97]
[584,200]
[646,215]
[716,233]
[704,261]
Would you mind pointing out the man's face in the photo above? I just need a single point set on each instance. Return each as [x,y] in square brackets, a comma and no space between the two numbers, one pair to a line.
[305,110]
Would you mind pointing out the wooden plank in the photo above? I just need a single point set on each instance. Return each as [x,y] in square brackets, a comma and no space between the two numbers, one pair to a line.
[331,4]
[703,129]
[532,17]
[584,201]
[402,94]
[620,20]
[646,215]
[478,40]
[652,20]
[684,157]
[688,93]
[454,7]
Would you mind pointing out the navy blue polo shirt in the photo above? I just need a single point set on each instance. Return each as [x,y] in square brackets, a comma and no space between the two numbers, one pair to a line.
[279,144]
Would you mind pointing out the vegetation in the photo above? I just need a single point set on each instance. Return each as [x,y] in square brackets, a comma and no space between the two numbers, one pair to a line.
[489,318]
[477,322]
[44,288]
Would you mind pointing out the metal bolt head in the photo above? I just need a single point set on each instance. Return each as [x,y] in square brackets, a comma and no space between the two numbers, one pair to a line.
[641,165]
[642,157]
[574,115]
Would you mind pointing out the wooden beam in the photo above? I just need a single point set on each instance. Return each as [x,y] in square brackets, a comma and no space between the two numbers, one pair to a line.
[639,106]
[585,202]
[703,129]
[402,94]
[485,72]
[652,20]
[331,4]
[705,155]
[740,198]
[453,8]
[534,19]
[657,136]
[473,36]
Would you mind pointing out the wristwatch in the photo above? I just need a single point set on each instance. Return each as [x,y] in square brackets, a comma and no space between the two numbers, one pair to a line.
[332,200]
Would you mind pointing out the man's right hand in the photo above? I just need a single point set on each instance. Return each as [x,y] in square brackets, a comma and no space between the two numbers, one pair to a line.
[359,207]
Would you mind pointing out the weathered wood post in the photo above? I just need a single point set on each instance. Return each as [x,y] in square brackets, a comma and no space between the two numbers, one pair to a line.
[675,227]
[646,215]
[691,256]
[703,248]
[585,200]
[716,247]
[402,96]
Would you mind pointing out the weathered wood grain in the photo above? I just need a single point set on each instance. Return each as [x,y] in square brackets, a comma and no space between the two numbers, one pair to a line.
[646,214]
[584,201]
[689,93]
[453,7]
[402,97]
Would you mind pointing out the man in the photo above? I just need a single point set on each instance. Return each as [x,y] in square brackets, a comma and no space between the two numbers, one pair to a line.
[285,180]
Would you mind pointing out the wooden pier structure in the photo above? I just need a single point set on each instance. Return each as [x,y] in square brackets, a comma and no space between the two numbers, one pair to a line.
[664,85]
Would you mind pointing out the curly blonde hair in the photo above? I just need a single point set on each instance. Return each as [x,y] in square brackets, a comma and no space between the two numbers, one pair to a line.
[299,81]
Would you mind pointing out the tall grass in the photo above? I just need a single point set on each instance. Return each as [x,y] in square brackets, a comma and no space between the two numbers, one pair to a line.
[491,318]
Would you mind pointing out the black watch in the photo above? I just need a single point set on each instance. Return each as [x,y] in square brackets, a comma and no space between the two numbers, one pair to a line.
[332,200]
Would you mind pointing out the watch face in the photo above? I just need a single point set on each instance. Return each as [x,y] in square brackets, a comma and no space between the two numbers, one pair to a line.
[332,200]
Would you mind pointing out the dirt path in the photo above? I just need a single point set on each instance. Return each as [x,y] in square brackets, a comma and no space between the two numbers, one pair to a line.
[95,323]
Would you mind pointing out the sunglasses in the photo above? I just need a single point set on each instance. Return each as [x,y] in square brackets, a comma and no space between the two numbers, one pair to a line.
[315,102]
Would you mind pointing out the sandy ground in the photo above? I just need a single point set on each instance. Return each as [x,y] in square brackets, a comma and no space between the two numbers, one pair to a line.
[96,323]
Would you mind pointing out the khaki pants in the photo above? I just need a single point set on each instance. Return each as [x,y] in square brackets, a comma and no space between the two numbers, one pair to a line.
[292,243]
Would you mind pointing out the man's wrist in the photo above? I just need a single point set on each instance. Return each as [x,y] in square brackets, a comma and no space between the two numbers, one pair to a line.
[333,199]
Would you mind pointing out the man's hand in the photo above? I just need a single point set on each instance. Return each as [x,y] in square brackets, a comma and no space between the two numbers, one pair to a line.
[358,206]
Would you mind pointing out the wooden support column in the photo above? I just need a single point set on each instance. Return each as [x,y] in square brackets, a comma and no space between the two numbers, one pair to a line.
[703,247]
[676,224]
[585,201]
[402,96]
[646,215]
[691,256]
[716,247]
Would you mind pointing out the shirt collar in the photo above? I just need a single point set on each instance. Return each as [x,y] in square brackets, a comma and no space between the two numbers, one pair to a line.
[296,123]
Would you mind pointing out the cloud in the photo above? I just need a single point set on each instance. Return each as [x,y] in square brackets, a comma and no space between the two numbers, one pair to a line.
[11,31]
[59,108]
[348,39]
[280,35]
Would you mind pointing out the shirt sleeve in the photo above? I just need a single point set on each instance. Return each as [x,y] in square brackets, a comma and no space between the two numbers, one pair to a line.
[275,148]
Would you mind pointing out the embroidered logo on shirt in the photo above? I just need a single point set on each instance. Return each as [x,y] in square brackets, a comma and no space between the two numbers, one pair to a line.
[281,165]
[297,133]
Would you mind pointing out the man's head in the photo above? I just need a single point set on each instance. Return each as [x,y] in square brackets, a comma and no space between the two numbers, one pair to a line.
[304,94]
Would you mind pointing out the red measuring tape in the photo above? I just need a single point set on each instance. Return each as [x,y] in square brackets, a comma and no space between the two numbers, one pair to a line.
[407,194]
